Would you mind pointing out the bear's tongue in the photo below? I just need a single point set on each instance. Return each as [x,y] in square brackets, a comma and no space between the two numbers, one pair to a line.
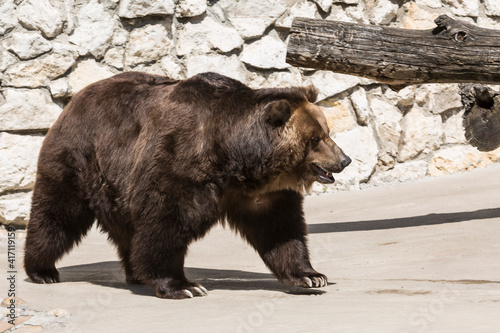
[323,175]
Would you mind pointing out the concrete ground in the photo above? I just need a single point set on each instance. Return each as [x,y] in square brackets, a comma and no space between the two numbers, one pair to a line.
[416,257]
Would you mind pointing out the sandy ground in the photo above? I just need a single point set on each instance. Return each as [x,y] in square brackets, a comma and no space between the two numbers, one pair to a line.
[416,257]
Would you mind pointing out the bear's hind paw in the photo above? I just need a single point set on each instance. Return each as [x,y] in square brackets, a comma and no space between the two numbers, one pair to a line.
[48,276]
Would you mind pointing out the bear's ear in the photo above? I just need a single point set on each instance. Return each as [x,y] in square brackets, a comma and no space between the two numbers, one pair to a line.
[278,113]
[311,93]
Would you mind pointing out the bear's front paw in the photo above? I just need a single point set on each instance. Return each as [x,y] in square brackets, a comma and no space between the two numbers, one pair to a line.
[44,276]
[309,280]
[179,290]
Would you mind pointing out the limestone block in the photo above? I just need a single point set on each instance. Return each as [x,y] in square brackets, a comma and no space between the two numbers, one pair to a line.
[255,80]
[147,44]
[361,106]
[360,145]
[67,8]
[120,37]
[41,15]
[354,14]
[330,84]
[454,130]
[85,73]
[269,52]
[347,2]
[402,172]
[252,17]
[325,5]
[140,8]
[190,8]
[381,11]
[8,18]
[153,68]
[283,79]
[15,208]
[40,71]
[429,3]
[463,7]
[447,161]
[438,98]
[418,18]
[28,45]
[386,120]
[300,9]
[488,22]
[18,157]
[27,109]
[94,30]
[229,66]
[405,97]
[339,115]
[59,88]
[6,59]
[172,67]
[422,133]
[206,36]
[115,57]
[492,7]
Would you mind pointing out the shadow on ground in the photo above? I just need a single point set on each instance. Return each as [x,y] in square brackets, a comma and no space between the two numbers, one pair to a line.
[405,222]
[110,274]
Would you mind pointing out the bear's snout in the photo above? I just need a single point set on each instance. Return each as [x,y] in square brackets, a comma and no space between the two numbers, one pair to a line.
[340,158]
[346,160]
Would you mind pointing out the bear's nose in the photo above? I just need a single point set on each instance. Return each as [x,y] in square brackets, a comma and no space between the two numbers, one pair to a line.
[346,161]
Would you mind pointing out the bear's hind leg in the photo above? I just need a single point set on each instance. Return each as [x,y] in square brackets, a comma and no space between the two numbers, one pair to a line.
[159,247]
[162,268]
[58,221]
[174,284]
[165,223]
[274,225]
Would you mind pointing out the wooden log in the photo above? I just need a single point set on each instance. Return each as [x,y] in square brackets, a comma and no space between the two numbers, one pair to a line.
[453,52]
[481,117]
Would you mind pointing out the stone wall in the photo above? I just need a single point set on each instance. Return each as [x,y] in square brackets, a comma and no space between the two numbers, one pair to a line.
[50,49]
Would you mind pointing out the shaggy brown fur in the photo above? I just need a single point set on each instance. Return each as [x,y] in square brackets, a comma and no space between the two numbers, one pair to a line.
[157,162]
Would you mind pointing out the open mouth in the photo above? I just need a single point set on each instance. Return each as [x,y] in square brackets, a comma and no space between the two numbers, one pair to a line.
[322,175]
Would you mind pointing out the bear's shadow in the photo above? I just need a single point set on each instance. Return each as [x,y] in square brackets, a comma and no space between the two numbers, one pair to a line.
[110,274]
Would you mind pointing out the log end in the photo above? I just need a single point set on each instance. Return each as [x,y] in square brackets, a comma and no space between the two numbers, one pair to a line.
[482,117]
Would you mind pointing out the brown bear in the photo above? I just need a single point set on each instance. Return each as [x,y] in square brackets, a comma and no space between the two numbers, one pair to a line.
[157,162]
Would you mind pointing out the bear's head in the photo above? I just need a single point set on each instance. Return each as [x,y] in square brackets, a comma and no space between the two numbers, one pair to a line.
[304,146]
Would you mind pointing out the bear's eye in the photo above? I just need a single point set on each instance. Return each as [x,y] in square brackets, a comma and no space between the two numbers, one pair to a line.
[315,140]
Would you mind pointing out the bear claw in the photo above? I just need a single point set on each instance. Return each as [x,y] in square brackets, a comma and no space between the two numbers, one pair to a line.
[182,290]
[319,281]
[50,276]
[201,291]
[312,281]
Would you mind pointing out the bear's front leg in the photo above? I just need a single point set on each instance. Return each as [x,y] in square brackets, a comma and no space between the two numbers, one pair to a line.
[274,225]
